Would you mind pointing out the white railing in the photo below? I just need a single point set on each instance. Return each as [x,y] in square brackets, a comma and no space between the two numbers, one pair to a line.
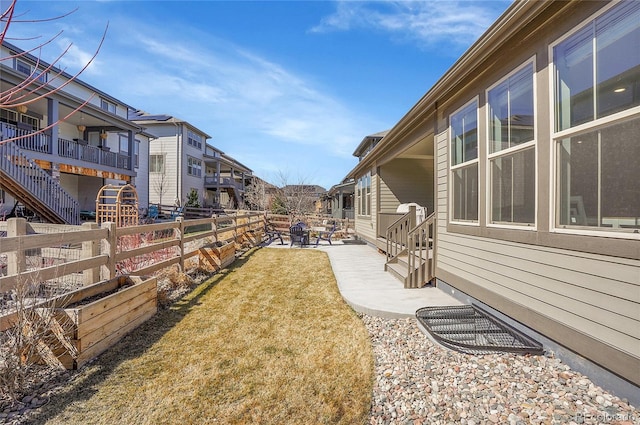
[41,190]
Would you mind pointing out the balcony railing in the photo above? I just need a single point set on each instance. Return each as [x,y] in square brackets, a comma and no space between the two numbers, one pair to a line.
[72,149]
[220,181]
[27,140]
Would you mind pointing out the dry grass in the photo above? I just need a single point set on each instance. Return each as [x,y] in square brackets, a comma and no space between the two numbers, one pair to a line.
[269,342]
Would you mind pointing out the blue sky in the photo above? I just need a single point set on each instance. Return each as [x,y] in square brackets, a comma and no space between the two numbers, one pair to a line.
[288,88]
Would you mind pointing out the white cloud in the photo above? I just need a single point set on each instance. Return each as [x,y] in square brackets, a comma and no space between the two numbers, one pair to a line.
[426,22]
[214,82]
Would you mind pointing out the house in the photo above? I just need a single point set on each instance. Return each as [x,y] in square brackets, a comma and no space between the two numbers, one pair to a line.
[339,198]
[226,179]
[527,151]
[62,158]
[181,160]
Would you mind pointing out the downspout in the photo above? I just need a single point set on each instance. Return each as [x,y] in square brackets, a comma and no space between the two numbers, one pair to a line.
[179,132]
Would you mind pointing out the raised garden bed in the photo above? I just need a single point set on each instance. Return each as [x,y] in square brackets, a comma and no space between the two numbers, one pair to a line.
[253,237]
[217,256]
[109,315]
[83,323]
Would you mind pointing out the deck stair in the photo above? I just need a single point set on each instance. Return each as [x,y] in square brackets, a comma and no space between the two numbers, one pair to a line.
[35,188]
[410,250]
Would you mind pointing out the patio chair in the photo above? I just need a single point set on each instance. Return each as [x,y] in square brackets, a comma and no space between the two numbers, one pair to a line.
[273,234]
[299,235]
[152,212]
[324,235]
[177,212]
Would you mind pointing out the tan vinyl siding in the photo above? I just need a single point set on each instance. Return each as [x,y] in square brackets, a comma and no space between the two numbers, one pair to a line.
[366,226]
[441,143]
[595,296]
[166,147]
[406,180]
[575,293]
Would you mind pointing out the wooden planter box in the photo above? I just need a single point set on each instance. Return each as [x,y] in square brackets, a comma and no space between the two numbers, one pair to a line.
[216,257]
[97,325]
[254,237]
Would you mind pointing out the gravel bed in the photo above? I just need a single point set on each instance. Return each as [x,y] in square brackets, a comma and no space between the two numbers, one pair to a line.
[420,382]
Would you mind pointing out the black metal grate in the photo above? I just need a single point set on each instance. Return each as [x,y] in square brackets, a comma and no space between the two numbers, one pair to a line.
[472,330]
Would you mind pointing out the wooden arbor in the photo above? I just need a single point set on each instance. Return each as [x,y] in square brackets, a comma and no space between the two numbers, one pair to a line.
[117,204]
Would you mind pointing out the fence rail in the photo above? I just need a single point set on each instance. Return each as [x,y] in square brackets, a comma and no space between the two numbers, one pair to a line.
[74,256]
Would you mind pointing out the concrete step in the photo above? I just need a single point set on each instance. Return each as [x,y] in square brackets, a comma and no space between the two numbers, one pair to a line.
[399,271]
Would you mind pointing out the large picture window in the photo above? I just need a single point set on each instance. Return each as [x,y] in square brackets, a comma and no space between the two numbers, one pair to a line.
[597,69]
[598,175]
[597,122]
[364,195]
[512,149]
[464,163]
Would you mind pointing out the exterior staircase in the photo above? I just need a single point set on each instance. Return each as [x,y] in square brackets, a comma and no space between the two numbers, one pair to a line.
[35,188]
[411,250]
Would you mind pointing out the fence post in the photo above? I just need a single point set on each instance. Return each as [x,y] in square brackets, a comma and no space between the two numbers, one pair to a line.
[214,227]
[180,236]
[108,247]
[90,249]
[17,260]
[235,227]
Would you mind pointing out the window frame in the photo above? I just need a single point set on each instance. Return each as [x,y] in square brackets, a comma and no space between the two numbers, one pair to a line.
[466,164]
[593,125]
[152,168]
[363,188]
[194,139]
[108,106]
[510,152]
[194,166]
[34,73]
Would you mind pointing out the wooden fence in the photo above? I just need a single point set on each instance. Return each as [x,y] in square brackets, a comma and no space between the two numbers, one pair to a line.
[63,258]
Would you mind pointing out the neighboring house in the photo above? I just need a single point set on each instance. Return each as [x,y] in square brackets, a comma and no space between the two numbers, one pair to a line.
[226,179]
[368,143]
[528,150]
[58,172]
[180,160]
[339,200]
[175,157]
[302,198]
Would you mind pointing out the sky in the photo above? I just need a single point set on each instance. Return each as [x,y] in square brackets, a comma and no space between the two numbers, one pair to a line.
[288,88]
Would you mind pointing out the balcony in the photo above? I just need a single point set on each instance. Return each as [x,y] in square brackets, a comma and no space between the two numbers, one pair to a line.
[213,182]
[75,149]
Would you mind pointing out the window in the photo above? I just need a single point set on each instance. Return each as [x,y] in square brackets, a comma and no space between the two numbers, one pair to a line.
[194,167]
[123,141]
[597,120]
[464,163]
[108,106]
[7,115]
[32,122]
[512,170]
[194,140]
[27,69]
[156,163]
[597,69]
[364,195]
[598,178]
[136,153]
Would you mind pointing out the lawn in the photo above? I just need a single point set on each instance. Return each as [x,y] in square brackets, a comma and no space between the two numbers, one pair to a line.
[269,341]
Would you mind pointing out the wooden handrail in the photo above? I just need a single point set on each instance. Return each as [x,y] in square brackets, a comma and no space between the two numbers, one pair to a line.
[421,246]
[397,234]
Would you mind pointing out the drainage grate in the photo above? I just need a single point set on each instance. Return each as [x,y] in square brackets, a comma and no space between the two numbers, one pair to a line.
[472,330]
